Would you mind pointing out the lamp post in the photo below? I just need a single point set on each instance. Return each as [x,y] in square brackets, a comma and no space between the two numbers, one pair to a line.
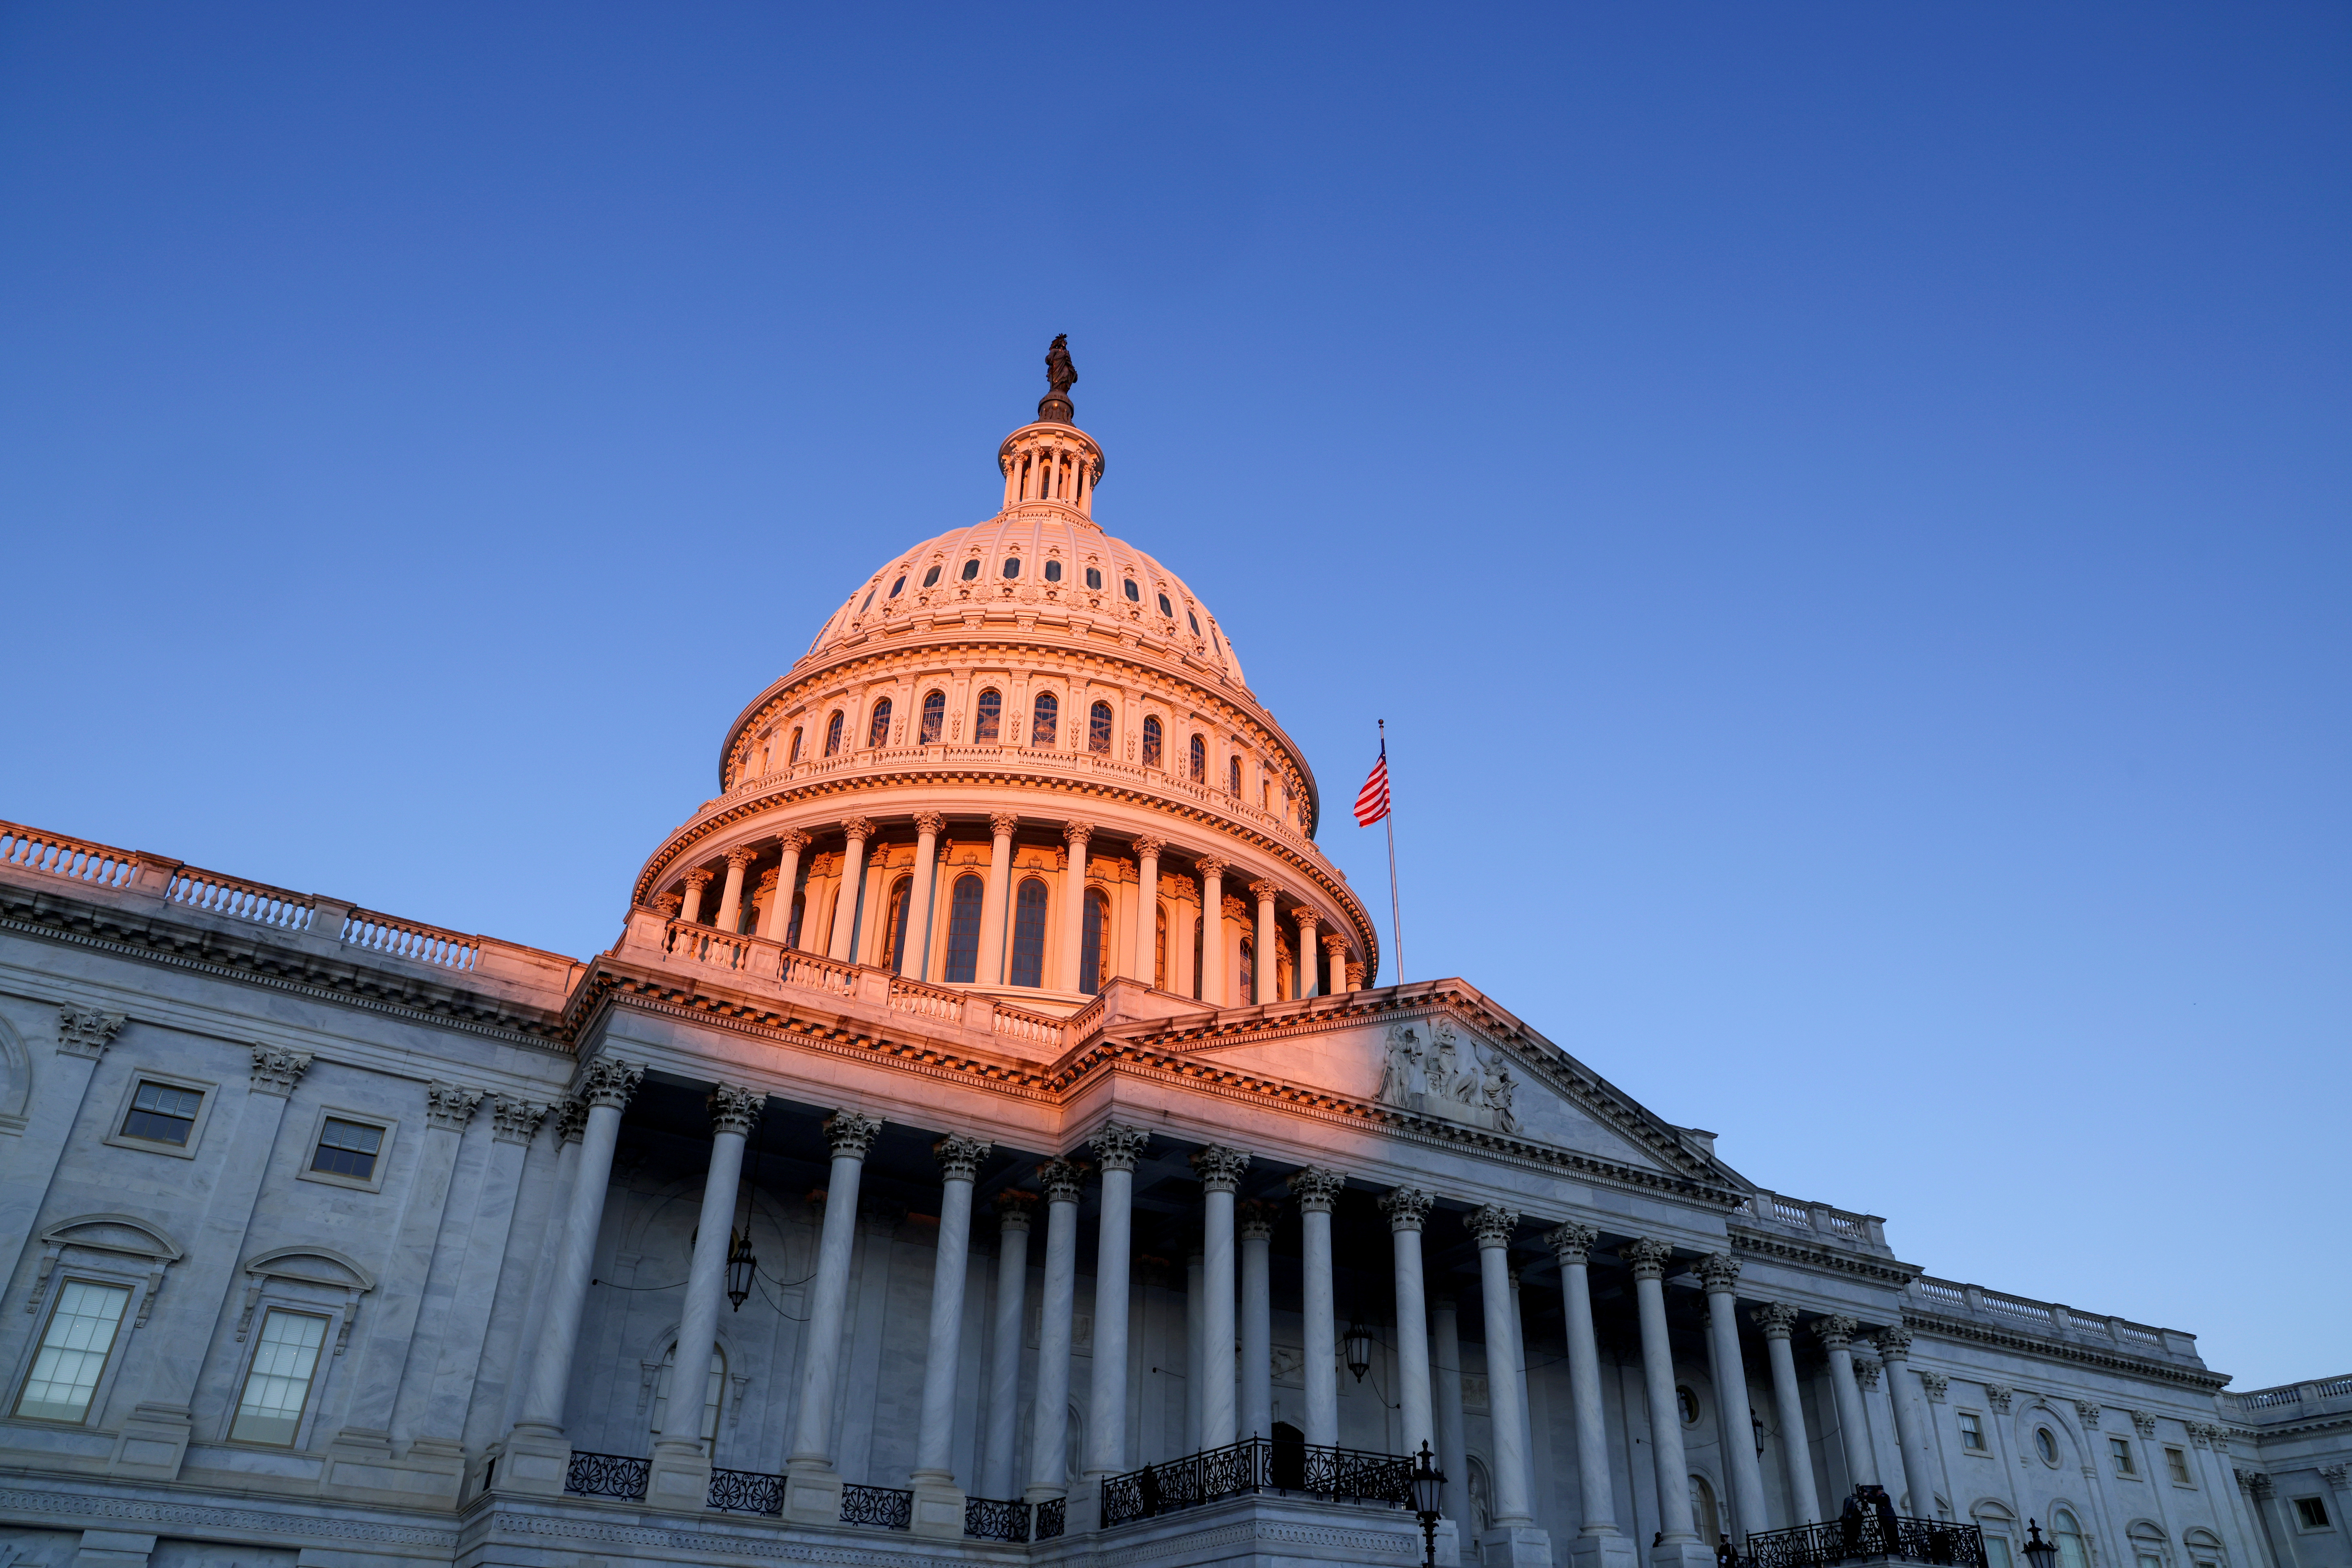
[2039,1553]
[1429,1496]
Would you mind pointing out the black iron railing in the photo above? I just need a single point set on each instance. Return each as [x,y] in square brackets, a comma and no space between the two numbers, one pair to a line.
[606,1475]
[990,1519]
[1863,1539]
[1256,1465]
[1053,1515]
[746,1491]
[887,1507]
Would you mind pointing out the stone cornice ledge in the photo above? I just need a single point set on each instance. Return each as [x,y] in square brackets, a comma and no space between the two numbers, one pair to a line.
[81,1498]
[1831,1259]
[709,1539]
[1938,1327]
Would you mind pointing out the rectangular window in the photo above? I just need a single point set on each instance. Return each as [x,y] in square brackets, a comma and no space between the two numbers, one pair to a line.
[279,1384]
[1972,1432]
[348,1149]
[2176,1462]
[73,1352]
[2312,1512]
[2121,1448]
[163,1114]
[1997,1552]
[2149,1559]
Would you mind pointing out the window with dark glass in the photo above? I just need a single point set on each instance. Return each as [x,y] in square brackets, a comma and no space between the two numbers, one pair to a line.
[1098,728]
[792,931]
[1045,716]
[163,1114]
[1159,949]
[1090,945]
[1195,620]
[902,583]
[894,934]
[1053,571]
[1233,776]
[1200,761]
[878,728]
[935,715]
[931,577]
[1245,974]
[1094,578]
[1133,592]
[971,569]
[1012,566]
[348,1149]
[1029,935]
[1151,742]
[833,734]
[1166,608]
[989,718]
[1196,958]
[869,600]
[796,748]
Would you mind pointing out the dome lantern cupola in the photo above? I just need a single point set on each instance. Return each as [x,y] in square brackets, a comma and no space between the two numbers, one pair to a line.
[1052,460]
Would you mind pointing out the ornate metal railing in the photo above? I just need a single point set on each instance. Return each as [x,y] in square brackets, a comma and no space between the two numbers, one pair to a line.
[1053,1516]
[884,1506]
[1256,1465]
[607,1475]
[746,1491]
[1837,1541]
[991,1519]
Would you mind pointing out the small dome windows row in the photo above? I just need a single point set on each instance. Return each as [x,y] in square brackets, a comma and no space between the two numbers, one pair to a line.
[1011,569]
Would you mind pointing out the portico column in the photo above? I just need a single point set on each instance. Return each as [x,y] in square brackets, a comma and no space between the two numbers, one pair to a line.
[990,969]
[1494,1226]
[1777,1319]
[1719,1273]
[1115,1149]
[1196,1307]
[681,1477]
[1853,1427]
[1220,1176]
[538,1453]
[731,902]
[1408,1208]
[1598,1544]
[695,880]
[920,898]
[1679,1541]
[1146,911]
[1256,1221]
[1213,931]
[1910,1422]
[1316,1191]
[779,923]
[938,1501]
[1445,1395]
[1336,948]
[1005,1334]
[1049,1427]
[1074,909]
[1307,921]
[1268,943]
[852,878]
[812,1487]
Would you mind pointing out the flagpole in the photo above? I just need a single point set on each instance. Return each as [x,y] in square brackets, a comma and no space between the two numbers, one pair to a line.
[1396,914]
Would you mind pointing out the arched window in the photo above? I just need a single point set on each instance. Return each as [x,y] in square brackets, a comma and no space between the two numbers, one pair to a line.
[1151,742]
[1094,577]
[932,578]
[1029,934]
[792,931]
[1233,777]
[935,716]
[1246,973]
[2069,1537]
[1188,614]
[795,755]
[715,1386]
[963,929]
[1044,717]
[971,569]
[1200,761]
[1053,571]
[894,930]
[1702,1506]
[1160,949]
[1098,728]
[1196,958]
[901,583]
[989,720]
[878,728]
[1011,567]
[833,734]
[1091,943]
[1166,608]
[1134,593]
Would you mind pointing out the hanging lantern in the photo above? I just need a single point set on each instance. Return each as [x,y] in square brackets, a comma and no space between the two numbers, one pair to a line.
[1360,1349]
[741,1263]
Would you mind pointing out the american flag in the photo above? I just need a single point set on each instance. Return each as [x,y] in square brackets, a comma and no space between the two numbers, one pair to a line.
[1372,800]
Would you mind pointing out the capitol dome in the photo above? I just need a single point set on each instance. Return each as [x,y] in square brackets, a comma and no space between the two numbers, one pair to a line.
[1021,757]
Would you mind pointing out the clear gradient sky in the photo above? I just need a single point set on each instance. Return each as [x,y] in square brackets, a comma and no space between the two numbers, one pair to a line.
[1843,509]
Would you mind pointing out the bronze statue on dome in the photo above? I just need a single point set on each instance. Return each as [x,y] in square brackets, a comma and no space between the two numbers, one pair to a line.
[1061,375]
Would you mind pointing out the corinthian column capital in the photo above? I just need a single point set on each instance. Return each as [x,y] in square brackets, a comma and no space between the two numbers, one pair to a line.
[1266,889]
[1492,1224]
[959,1156]
[791,841]
[1317,1190]
[1719,1272]
[1777,1319]
[1836,1331]
[1004,824]
[1150,849]
[1221,1168]
[1116,1147]
[848,1133]
[1209,866]
[1407,1207]
[856,829]
[1077,831]
[1646,1258]
[1572,1243]
[1064,1181]
[734,1109]
[1895,1344]
[609,1082]
[930,822]
[742,854]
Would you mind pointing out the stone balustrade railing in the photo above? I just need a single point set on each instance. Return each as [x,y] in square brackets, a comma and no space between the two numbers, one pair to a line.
[1822,1220]
[406,939]
[1952,1298]
[2293,1401]
[53,854]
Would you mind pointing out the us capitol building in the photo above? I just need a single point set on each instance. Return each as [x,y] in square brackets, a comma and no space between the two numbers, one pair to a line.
[988,1139]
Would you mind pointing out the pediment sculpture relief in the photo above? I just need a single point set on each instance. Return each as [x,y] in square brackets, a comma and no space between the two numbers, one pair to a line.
[1430,1070]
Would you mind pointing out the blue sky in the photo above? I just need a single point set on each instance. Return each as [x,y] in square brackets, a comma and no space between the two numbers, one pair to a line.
[1843,509]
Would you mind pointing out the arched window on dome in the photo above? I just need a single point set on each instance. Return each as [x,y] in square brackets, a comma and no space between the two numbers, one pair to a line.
[894,928]
[963,929]
[1200,761]
[1029,935]
[1233,777]
[1246,973]
[796,754]
[1094,577]
[1044,718]
[901,583]
[935,715]
[878,728]
[1159,947]
[988,719]
[1151,742]
[1053,571]
[1134,593]
[1098,729]
[1011,567]
[833,734]
[1097,927]
[971,569]
[932,578]
[1166,608]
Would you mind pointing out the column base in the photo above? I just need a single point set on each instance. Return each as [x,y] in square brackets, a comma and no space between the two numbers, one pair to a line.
[1603,1551]
[813,1495]
[1085,1515]
[1691,1553]
[939,1506]
[153,1443]
[114,1549]
[1515,1546]
[680,1476]
[534,1461]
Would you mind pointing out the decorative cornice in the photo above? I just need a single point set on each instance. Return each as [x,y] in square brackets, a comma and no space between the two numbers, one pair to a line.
[959,1157]
[84,1032]
[1317,1189]
[1491,1225]
[1834,1260]
[277,1071]
[1064,1181]
[1777,1319]
[450,1105]
[1970,1332]
[1646,1258]
[515,1120]
[849,1135]
[1221,1168]
[736,1110]
[1407,1207]
[1718,1272]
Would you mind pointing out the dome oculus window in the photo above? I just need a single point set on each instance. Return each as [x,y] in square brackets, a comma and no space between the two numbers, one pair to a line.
[1134,593]
[971,569]
[901,583]
[932,578]
[1053,571]
[1165,607]
[1012,566]
[988,720]
[1094,578]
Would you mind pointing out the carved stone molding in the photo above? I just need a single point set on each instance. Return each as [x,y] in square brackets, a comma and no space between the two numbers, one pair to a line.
[1317,1190]
[610,1082]
[959,1156]
[930,822]
[1894,1344]
[1835,1330]
[1407,1207]
[1004,824]
[450,1105]
[1719,1273]
[2257,1485]
[1116,1147]
[2088,1412]
[2338,1477]
[667,905]
[849,1133]
[734,1109]
[1998,1396]
[84,1032]
[1221,1168]
[1492,1224]
[277,1071]
[1063,1180]
[1253,1219]
[1572,1243]
[1237,910]
[1865,1372]
[515,1120]
[1936,1383]
[1646,1258]
[571,1119]
[1777,1319]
